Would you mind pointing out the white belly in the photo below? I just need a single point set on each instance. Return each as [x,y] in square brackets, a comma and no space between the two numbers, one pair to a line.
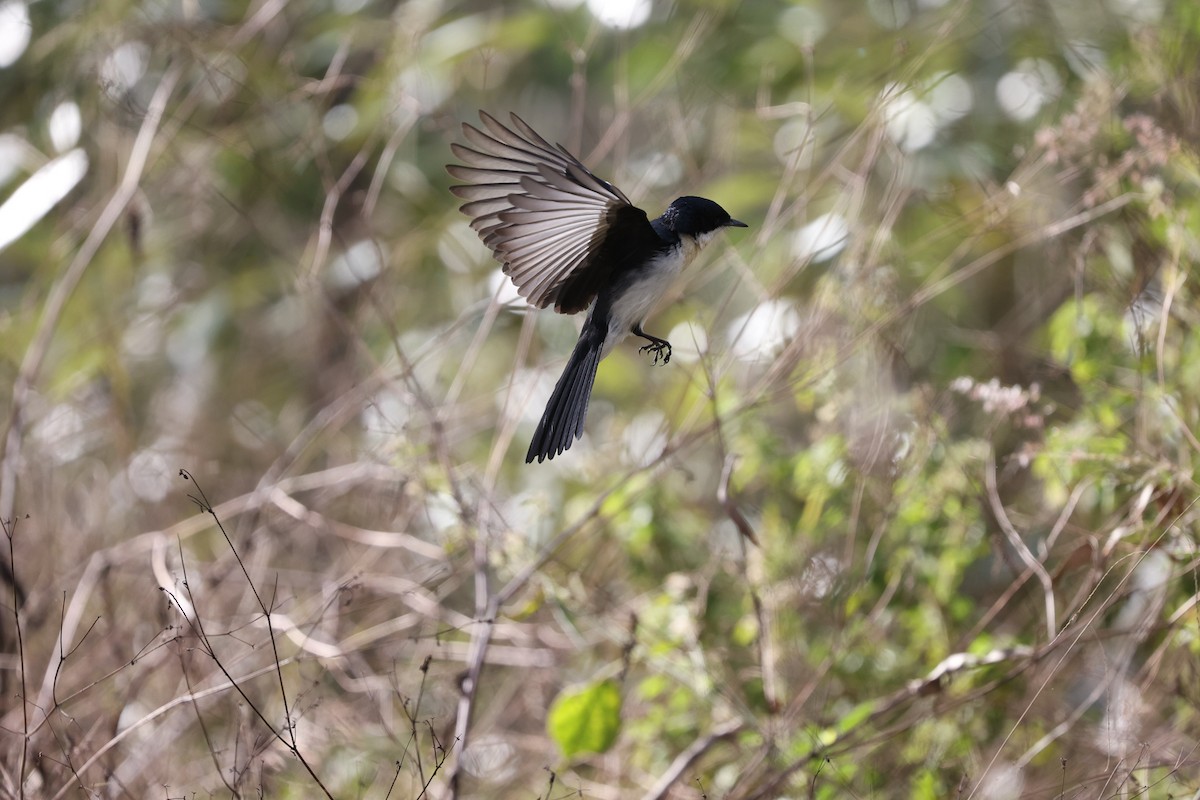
[638,301]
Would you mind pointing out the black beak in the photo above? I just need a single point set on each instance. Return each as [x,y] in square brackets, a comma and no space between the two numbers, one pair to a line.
[735,223]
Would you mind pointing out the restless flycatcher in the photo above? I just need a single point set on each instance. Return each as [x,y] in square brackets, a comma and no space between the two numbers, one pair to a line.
[571,239]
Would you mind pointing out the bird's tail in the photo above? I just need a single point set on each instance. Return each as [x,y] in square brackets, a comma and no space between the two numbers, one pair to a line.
[562,421]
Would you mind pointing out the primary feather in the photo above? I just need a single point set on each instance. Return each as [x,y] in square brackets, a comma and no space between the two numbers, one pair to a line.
[542,213]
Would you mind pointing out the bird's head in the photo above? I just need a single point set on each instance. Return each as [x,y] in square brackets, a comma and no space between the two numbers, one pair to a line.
[698,217]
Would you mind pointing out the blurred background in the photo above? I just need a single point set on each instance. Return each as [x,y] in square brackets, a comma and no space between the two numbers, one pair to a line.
[948,381]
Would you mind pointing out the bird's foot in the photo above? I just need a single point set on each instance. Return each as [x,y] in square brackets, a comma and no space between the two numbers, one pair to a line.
[661,349]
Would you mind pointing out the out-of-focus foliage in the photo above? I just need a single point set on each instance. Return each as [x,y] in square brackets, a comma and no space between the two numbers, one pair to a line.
[949,379]
[586,719]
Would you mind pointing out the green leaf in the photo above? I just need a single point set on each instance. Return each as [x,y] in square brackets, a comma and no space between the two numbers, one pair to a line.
[855,717]
[586,719]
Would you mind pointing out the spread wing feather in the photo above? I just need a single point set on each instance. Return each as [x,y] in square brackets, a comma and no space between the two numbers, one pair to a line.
[544,215]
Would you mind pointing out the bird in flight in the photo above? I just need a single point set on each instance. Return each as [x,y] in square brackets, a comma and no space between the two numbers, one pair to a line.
[568,238]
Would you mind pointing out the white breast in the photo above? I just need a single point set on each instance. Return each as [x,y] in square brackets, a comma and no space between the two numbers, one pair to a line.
[637,302]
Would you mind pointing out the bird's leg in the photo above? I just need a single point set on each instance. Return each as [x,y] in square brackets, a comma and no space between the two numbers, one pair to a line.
[661,348]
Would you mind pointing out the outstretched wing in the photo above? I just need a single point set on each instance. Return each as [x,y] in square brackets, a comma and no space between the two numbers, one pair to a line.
[559,231]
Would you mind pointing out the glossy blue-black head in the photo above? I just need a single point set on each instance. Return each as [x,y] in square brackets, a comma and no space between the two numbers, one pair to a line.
[696,216]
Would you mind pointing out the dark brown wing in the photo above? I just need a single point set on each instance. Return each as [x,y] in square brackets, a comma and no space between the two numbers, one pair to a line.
[553,224]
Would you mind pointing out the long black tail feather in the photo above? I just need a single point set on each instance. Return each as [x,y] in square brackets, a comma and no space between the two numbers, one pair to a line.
[562,421]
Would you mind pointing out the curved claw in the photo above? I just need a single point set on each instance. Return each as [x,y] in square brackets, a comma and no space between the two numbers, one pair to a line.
[660,349]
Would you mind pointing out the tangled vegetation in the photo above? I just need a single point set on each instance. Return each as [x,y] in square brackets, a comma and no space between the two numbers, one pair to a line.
[910,513]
